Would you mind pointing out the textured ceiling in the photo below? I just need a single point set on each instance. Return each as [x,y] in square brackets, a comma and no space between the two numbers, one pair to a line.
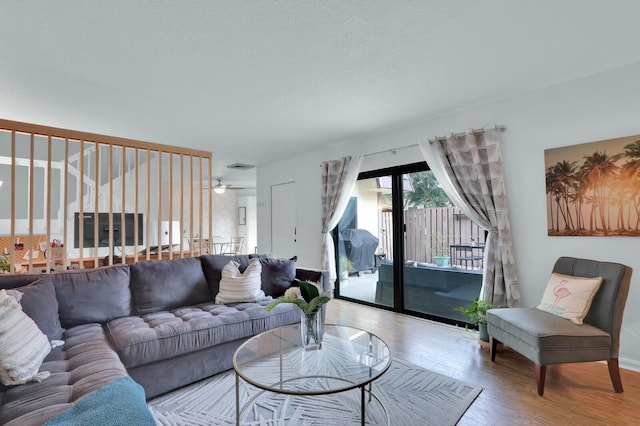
[255,80]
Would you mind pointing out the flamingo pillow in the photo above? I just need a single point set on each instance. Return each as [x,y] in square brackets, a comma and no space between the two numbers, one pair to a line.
[569,297]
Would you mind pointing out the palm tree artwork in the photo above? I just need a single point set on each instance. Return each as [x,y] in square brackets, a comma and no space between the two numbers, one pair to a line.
[593,189]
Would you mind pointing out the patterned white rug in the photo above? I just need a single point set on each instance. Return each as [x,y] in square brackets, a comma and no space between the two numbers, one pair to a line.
[412,396]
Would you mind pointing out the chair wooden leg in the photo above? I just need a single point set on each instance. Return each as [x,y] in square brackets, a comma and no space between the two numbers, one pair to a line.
[541,373]
[493,347]
[614,373]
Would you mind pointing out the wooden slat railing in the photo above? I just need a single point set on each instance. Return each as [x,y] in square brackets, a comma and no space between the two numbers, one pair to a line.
[46,202]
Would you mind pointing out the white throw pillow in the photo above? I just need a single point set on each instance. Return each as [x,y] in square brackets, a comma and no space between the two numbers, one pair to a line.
[569,297]
[23,346]
[240,287]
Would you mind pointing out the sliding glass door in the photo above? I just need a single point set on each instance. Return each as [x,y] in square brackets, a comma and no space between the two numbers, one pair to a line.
[402,245]
[364,236]
[442,252]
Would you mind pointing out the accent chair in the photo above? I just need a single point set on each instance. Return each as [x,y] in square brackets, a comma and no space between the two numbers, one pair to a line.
[546,338]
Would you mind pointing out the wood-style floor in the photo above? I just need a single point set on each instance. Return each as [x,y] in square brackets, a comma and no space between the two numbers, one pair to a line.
[575,394]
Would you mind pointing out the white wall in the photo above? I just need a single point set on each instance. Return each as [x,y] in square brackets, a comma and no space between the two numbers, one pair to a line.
[588,109]
[368,208]
[225,215]
[250,230]
[225,218]
[305,171]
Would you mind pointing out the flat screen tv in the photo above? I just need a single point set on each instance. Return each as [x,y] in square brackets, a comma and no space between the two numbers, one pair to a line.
[88,223]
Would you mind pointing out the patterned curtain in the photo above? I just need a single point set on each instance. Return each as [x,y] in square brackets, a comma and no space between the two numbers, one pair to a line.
[469,168]
[338,179]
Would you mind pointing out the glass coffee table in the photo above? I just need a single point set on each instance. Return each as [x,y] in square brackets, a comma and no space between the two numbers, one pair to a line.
[274,361]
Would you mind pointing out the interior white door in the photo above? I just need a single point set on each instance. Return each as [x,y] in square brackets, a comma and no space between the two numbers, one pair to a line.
[284,219]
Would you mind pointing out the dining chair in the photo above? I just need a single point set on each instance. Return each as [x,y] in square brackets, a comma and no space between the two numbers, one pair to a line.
[235,246]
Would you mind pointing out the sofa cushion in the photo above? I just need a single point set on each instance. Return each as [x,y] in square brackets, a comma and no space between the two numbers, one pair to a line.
[121,402]
[85,363]
[569,297]
[8,281]
[23,346]
[277,275]
[93,295]
[236,286]
[158,285]
[212,265]
[141,340]
[40,304]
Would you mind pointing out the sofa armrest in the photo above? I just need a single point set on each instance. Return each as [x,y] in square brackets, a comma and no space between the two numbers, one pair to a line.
[320,276]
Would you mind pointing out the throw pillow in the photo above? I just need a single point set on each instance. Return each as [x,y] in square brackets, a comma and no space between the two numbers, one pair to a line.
[236,286]
[569,297]
[212,265]
[40,304]
[277,275]
[168,284]
[23,346]
[93,295]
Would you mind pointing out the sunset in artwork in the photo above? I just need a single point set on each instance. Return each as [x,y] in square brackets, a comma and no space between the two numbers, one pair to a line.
[593,189]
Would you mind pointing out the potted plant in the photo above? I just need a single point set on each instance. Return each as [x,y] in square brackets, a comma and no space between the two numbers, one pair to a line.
[441,256]
[309,299]
[477,315]
[4,264]
[345,267]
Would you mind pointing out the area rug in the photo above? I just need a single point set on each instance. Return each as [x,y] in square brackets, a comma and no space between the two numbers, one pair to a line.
[412,396]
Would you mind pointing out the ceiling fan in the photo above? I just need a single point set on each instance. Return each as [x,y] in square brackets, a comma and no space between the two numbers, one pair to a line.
[220,188]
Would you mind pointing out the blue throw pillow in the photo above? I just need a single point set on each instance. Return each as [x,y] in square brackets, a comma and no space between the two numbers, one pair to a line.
[277,275]
[121,402]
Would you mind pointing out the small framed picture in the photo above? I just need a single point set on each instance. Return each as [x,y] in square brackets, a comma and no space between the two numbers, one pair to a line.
[242,215]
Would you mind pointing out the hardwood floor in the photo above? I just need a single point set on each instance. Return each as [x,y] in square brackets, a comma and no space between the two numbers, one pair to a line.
[575,394]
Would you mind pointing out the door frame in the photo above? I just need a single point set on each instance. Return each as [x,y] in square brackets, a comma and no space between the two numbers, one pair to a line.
[396,173]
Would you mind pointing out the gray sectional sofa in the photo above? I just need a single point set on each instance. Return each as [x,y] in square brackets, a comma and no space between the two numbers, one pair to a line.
[155,321]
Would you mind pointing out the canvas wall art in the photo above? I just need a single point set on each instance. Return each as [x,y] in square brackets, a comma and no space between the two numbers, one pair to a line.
[593,189]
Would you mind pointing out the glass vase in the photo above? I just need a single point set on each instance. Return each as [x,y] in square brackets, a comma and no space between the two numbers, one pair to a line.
[312,330]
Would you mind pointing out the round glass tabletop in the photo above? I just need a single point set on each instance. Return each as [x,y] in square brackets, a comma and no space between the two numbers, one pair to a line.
[276,361]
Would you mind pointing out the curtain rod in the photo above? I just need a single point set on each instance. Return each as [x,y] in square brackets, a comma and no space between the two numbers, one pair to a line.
[391,150]
[499,128]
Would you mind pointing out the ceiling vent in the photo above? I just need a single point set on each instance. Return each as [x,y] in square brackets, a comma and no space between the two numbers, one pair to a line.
[240,166]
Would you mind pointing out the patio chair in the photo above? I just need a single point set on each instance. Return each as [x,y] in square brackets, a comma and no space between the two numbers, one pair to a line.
[546,338]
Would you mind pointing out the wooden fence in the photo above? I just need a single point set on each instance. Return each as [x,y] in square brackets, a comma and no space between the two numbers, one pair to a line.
[429,232]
